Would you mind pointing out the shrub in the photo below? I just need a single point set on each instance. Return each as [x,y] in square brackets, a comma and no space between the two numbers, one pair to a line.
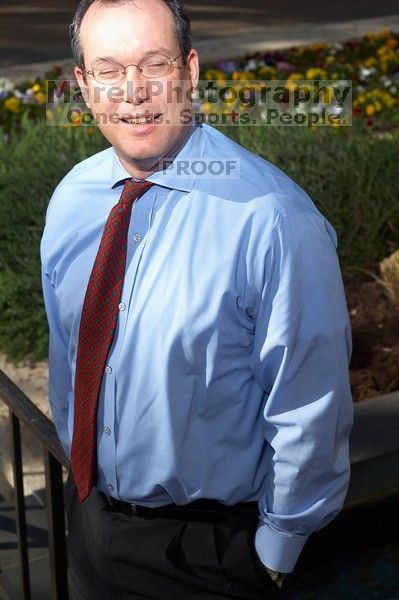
[351,176]
[30,168]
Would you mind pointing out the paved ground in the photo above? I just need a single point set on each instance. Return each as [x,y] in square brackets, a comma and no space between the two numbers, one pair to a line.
[36,30]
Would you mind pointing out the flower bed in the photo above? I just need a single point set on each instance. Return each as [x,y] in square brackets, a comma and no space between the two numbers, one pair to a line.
[21,100]
[371,62]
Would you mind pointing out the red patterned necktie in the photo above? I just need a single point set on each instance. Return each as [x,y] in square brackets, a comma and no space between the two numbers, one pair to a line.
[97,327]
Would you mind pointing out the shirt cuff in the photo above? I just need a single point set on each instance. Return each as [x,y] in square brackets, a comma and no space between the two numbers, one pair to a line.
[277,549]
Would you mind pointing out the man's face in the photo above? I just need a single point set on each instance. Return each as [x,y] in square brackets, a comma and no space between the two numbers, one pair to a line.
[123,34]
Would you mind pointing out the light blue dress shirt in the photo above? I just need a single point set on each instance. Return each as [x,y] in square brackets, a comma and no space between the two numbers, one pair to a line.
[228,374]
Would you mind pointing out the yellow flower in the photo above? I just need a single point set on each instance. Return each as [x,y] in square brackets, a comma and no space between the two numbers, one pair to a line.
[383,34]
[361,98]
[242,76]
[329,95]
[40,97]
[206,108]
[387,55]
[292,85]
[383,50]
[268,71]
[370,110]
[215,75]
[316,73]
[12,104]
[295,77]
[378,105]
[383,66]
[36,88]
[370,62]
[330,59]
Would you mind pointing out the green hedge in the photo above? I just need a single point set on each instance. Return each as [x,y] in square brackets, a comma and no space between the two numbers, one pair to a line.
[30,168]
[351,176]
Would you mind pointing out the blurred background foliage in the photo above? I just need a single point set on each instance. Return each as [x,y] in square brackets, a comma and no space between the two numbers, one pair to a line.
[352,173]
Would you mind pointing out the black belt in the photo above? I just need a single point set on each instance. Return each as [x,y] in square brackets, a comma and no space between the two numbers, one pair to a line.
[199,510]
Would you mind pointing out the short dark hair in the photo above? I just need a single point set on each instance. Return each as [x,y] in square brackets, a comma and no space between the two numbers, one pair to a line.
[180,15]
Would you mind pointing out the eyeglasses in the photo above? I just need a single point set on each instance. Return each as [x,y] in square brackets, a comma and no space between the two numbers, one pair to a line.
[155,65]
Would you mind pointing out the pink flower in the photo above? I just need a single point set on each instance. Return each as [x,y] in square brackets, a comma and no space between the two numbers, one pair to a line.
[284,66]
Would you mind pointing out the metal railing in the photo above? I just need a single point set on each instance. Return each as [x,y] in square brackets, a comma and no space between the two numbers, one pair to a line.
[22,410]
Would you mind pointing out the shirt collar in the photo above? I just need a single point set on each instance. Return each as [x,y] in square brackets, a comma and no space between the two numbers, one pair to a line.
[170,178]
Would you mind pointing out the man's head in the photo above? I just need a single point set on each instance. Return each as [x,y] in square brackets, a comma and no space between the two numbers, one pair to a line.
[145,118]
[181,24]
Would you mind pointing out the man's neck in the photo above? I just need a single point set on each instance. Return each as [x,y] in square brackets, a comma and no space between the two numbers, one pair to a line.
[143,169]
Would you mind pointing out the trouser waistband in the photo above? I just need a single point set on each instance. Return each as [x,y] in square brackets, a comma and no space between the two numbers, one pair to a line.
[198,510]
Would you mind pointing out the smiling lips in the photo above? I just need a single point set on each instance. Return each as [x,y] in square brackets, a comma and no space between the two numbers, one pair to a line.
[140,119]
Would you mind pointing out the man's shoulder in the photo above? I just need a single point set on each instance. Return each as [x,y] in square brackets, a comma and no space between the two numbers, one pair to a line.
[67,197]
[88,166]
[254,179]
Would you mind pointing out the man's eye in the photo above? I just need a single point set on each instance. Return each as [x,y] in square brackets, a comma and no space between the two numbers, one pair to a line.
[108,71]
[157,65]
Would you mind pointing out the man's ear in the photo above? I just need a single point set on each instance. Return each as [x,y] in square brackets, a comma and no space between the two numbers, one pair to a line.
[82,81]
[192,62]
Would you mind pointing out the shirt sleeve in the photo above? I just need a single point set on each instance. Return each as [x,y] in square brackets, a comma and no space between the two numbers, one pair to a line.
[60,385]
[301,354]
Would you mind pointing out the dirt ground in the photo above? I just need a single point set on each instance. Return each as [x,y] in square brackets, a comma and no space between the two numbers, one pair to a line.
[375,332]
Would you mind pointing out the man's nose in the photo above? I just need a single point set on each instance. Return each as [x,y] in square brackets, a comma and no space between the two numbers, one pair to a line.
[136,87]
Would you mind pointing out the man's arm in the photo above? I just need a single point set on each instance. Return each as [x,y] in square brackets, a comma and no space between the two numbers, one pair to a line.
[301,354]
[59,372]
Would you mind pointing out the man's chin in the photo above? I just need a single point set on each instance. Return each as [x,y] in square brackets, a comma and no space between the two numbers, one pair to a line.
[140,165]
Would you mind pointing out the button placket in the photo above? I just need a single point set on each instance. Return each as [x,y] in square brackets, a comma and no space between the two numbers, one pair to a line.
[108,443]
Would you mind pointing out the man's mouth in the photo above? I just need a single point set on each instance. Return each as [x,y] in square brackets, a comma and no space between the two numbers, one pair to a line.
[139,119]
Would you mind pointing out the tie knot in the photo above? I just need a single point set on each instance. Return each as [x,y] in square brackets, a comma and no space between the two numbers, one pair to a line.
[134,189]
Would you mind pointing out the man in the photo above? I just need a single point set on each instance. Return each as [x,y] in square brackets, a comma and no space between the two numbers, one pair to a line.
[199,337]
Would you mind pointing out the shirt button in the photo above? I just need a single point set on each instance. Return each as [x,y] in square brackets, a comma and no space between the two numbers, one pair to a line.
[122,306]
[137,237]
[108,370]
[110,487]
[107,431]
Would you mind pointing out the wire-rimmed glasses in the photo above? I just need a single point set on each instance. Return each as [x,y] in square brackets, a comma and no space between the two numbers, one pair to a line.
[151,67]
